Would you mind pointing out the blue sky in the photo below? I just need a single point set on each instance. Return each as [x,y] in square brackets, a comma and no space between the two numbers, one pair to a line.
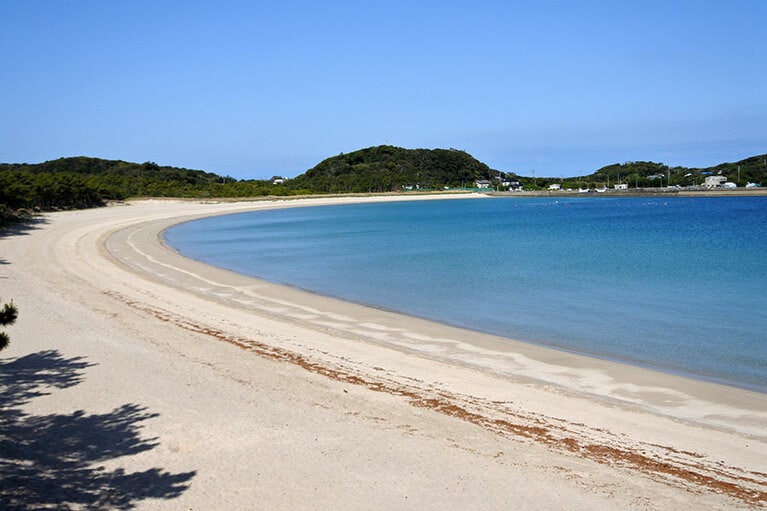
[251,89]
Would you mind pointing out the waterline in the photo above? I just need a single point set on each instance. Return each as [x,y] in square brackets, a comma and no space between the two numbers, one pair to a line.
[672,284]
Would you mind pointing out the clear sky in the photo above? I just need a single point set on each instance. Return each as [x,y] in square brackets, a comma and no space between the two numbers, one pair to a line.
[256,88]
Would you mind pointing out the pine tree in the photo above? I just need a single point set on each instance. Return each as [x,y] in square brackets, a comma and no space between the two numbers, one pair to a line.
[8,315]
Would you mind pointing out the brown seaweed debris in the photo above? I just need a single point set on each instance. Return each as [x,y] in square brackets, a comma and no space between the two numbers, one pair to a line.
[689,473]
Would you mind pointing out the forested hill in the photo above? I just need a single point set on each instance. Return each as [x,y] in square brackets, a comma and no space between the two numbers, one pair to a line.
[97,166]
[387,168]
[116,178]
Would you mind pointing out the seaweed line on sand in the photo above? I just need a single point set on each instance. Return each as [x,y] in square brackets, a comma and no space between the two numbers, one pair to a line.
[669,465]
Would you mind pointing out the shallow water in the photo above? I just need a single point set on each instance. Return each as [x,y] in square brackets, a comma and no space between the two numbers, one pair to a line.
[676,284]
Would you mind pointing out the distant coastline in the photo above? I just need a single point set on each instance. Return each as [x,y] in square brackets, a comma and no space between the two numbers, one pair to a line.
[84,182]
[641,192]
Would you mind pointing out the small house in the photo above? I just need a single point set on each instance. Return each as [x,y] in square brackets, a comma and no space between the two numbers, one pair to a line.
[511,183]
[715,182]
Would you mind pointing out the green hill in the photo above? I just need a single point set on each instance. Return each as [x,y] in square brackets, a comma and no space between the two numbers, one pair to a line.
[387,168]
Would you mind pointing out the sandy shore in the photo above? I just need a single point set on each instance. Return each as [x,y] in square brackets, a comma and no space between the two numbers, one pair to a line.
[137,378]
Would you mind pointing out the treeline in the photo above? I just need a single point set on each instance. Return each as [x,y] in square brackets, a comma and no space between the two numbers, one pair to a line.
[647,174]
[24,190]
[82,182]
[387,168]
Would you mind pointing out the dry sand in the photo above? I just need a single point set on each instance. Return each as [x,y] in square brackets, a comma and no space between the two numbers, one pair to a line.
[137,378]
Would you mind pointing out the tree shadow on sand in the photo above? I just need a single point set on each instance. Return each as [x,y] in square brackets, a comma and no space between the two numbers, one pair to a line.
[22,226]
[52,461]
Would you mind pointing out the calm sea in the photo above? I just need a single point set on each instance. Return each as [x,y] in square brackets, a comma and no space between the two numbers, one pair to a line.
[675,284]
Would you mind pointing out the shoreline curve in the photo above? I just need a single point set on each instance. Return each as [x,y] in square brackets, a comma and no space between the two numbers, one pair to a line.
[576,412]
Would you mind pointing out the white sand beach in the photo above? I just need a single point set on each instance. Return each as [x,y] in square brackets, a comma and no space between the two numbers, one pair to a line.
[137,378]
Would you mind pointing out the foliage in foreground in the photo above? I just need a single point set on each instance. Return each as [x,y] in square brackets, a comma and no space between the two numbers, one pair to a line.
[8,315]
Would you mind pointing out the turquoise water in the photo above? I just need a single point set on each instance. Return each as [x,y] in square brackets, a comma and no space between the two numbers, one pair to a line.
[675,284]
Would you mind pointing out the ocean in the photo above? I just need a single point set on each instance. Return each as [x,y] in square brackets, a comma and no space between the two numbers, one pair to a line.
[674,284]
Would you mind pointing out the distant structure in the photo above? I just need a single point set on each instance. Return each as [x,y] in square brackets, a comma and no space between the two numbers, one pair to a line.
[715,182]
[277,180]
[511,183]
[555,187]
[622,186]
[483,183]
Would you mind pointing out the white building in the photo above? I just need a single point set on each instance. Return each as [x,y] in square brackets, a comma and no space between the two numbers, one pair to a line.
[555,187]
[715,182]
[511,183]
